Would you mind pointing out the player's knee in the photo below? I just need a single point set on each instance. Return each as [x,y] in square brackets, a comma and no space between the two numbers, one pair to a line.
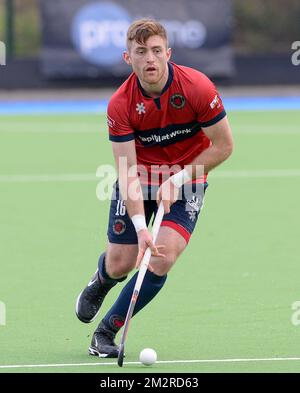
[163,265]
[117,272]
[117,268]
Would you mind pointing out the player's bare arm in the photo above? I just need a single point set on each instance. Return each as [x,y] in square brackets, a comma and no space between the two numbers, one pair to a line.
[221,148]
[131,192]
[124,153]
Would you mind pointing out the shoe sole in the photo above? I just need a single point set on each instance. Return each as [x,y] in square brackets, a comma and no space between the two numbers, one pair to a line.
[95,352]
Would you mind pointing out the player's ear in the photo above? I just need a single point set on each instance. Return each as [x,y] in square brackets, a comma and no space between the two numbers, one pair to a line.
[126,57]
[169,53]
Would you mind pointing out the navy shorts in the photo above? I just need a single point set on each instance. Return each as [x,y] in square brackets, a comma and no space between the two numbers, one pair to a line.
[182,218]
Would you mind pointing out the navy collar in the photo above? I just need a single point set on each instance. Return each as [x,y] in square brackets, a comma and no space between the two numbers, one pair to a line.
[167,85]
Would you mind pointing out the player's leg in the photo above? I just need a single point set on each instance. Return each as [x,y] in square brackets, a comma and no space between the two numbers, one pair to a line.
[152,283]
[103,344]
[176,244]
[175,232]
[119,261]
[114,264]
[113,267]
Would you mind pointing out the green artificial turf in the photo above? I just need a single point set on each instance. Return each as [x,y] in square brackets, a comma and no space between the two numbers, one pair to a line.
[231,292]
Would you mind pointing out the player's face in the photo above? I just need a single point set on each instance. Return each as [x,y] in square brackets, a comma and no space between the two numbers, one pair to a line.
[149,61]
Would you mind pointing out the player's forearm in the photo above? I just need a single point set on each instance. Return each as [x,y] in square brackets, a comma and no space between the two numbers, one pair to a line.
[209,159]
[131,192]
[132,195]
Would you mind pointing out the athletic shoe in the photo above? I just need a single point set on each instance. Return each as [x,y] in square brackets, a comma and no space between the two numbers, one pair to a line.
[91,298]
[103,344]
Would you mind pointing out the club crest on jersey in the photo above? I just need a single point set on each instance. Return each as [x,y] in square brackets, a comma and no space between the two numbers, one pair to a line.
[177,101]
[119,227]
[140,108]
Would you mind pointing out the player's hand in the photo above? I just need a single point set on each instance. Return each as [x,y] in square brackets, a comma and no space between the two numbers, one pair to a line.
[145,240]
[167,193]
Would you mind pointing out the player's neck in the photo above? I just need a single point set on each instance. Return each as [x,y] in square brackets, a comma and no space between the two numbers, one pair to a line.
[154,89]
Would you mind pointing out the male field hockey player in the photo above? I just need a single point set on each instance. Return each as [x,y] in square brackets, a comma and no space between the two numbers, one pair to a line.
[165,122]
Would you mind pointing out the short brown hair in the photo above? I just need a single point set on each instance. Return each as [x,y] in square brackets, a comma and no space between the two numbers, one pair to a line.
[140,30]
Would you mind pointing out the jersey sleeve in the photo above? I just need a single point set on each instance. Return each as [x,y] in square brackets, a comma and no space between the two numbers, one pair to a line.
[118,122]
[208,103]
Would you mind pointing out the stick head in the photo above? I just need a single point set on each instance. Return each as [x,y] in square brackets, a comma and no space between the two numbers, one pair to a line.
[121,355]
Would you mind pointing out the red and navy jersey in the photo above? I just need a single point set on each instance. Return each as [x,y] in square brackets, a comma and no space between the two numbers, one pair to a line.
[167,130]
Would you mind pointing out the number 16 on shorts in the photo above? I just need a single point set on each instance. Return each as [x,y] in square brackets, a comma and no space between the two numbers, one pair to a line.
[121,208]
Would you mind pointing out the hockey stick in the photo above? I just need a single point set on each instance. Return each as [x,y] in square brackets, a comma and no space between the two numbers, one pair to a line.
[139,281]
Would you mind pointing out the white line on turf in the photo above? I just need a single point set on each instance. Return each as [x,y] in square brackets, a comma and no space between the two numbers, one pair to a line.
[53,131]
[71,177]
[278,130]
[279,173]
[81,177]
[81,128]
[158,362]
